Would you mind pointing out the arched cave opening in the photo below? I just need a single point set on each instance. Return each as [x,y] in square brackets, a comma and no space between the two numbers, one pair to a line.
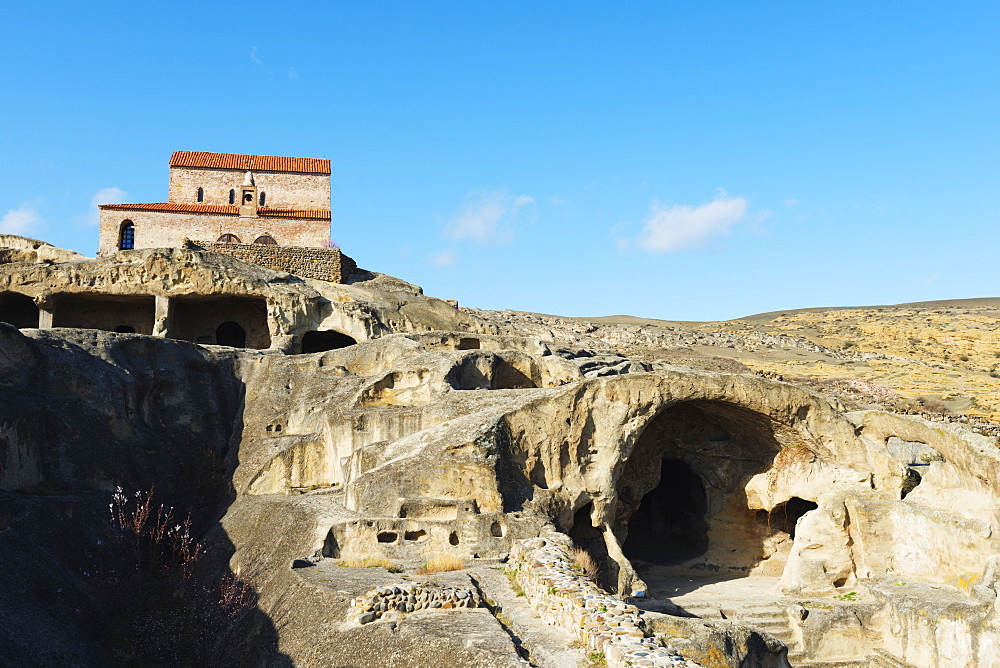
[784,516]
[669,525]
[681,493]
[18,310]
[203,319]
[321,341]
[231,334]
[590,538]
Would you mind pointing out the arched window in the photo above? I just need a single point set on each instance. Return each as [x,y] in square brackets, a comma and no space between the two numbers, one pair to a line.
[263,196]
[201,194]
[230,333]
[266,239]
[228,239]
[126,236]
[232,197]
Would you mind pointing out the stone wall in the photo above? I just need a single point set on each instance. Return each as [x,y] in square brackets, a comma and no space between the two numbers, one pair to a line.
[166,229]
[386,603]
[285,190]
[325,264]
[562,595]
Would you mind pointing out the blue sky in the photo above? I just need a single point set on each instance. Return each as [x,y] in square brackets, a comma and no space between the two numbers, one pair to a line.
[675,160]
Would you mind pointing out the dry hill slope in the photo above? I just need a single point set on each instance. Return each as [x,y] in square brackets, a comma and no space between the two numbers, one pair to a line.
[936,357]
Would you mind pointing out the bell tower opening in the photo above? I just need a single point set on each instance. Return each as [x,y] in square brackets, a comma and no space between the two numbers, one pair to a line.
[248,197]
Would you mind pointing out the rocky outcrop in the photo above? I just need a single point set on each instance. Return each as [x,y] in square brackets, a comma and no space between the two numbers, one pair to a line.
[435,434]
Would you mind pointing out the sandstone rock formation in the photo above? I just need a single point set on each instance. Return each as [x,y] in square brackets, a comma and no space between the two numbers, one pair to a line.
[436,434]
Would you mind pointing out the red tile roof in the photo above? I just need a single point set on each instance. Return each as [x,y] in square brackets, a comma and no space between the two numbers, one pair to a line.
[249,163]
[220,210]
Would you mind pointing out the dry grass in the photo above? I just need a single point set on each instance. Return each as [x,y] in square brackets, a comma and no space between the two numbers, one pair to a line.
[585,562]
[442,562]
[372,562]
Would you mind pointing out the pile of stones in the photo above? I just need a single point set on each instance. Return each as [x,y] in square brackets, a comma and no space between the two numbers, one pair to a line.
[390,601]
[563,595]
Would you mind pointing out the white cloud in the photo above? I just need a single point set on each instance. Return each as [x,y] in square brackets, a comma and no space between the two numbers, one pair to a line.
[673,228]
[486,217]
[110,195]
[931,280]
[24,221]
[260,63]
[445,258]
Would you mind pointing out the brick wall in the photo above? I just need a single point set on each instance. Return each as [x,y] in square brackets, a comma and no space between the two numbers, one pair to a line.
[161,229]
[325,264]
[285,190]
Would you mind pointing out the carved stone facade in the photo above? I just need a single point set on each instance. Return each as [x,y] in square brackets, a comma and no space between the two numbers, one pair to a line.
[230,198]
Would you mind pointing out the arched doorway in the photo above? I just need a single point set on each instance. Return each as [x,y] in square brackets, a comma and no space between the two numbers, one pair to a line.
[669,525]
[266,240]
[228,239]
[681,499]
[231,334]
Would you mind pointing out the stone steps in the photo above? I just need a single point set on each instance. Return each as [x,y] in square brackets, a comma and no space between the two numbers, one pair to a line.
[767,617]
[883,659]
[878,659]
[799,661]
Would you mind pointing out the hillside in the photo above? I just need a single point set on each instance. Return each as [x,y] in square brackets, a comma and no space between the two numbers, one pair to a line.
[938,357]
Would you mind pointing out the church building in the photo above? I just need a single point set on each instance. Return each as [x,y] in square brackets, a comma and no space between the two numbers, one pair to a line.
[225,198]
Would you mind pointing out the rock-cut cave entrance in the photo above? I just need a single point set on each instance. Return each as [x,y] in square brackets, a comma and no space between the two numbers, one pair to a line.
[236,321]
[320,341]
[681,494]
[669,525]
[18,310]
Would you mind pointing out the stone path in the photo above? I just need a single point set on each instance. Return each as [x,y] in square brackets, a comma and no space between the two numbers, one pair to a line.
[547,646]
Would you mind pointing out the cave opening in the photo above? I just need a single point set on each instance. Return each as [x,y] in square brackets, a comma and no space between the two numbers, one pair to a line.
[111,313]
[18,310]
[322,341]
[590,539]
[231,334]
[681,506]
[784,516]
[236,321]
[669,525]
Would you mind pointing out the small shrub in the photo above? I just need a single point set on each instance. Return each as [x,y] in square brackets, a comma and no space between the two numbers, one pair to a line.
[372,562]
[932,405]
[154,602]
[512,576]
[583,561]
[963,357]
[441,563]
[595,660]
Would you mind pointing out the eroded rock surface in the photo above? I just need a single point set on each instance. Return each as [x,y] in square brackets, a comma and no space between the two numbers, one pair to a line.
[439,437]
